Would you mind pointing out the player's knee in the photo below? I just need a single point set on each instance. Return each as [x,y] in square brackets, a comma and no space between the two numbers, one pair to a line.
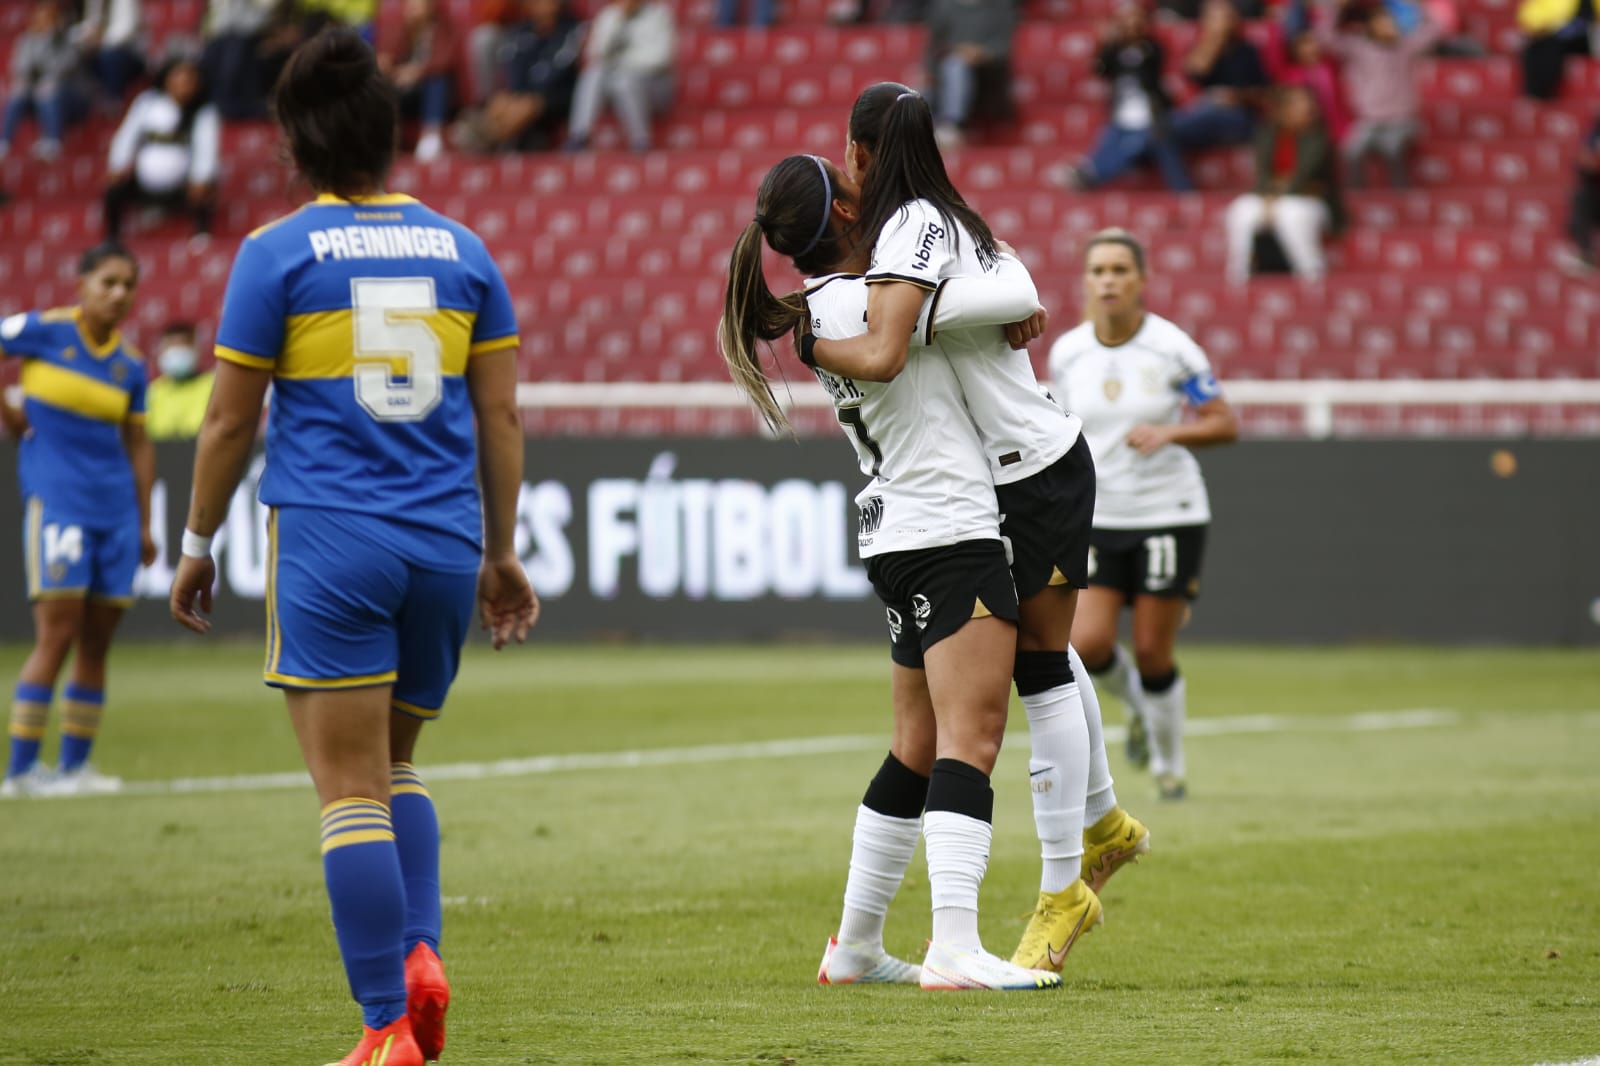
[1095,649]
[1153,658]
[1041,671]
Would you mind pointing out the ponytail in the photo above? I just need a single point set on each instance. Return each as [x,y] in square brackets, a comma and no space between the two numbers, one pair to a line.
[794,214]
[751,313]
[896,125]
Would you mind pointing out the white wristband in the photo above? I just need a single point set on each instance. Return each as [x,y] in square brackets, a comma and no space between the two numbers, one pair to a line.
[195,546]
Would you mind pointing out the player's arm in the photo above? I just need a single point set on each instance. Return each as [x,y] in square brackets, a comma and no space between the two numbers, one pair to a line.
[966,301]
[879,354]
[12,417]
[1214,421]
[142,457]
[506,601]
[19,338]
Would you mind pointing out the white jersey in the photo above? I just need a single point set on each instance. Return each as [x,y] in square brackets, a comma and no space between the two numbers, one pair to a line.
[1147,379]
[930,485]
[1022,429]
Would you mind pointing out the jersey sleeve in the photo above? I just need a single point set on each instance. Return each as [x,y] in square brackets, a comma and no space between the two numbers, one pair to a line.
[22,335]
[1056,366]
[1192,374]
[915,246]
[495,326]
[138,386]
[971,301]
[254,308]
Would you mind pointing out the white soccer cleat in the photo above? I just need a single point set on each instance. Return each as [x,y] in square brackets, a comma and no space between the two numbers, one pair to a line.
[83,781]
[950,970]
[37,780]
[862,964]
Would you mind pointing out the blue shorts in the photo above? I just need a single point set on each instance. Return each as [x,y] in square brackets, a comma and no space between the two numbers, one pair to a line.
[74,561]
[344,610]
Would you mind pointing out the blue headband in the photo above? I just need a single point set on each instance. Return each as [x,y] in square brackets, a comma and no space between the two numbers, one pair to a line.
[827,208]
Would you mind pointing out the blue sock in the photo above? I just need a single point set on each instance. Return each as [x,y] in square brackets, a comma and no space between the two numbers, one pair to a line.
[416,837]
[80,723]
[362,870]
[30,711]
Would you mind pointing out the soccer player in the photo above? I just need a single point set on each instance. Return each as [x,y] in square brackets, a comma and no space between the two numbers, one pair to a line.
[931,540]
[86,469]
[390,343]
[925,233]
[1133,377]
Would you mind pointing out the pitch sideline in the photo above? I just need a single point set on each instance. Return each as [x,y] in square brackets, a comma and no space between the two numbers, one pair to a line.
[1239,725]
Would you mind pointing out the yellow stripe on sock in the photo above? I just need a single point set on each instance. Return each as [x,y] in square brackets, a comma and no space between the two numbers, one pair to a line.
[345,804]
[371,821]
[28,719]
[26,732]
[362,836]
[79,719]
[410,790]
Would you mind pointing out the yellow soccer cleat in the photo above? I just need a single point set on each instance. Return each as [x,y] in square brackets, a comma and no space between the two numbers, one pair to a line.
[1057,923]
[1110,844]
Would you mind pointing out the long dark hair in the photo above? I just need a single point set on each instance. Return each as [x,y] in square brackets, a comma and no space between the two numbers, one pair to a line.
[895,124]
[191,110]
[338,112]
[91,259]
[794,214]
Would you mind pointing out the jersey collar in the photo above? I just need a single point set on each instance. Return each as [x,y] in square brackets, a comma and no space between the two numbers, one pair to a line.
[382,199]
[99,351]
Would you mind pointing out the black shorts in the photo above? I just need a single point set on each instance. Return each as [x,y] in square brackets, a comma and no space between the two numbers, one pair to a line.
[931,593]
[1148,562]
[1046,520]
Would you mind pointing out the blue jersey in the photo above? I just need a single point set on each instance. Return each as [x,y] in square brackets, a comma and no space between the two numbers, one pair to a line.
[367,313]
[77,395]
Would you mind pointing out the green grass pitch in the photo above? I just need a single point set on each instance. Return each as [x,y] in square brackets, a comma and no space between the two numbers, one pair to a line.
[1328,894]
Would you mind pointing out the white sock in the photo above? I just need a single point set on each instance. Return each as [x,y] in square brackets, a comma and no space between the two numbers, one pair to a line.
[958,856]
[1167,712]
[1058,771]
[1100,798]
[1123,681]
[882,850]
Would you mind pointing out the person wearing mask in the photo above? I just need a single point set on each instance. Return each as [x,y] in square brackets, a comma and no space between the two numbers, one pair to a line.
[1131,59]
[540,69]
[419,56]
[969,54]
[1296,194]
[176,401]
[44,82]
[628,64]
[166,152]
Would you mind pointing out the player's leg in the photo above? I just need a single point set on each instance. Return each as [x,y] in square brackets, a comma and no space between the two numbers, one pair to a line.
[55,628]
[888,823]
[433,626]
[333,593]
[1156,621]
[1094,634]
[84,700]
[1111,836]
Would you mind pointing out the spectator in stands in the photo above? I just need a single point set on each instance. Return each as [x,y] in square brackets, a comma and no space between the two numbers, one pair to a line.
[1552,30]
[109,36]
[232,61]
[1296,196]
[1232,79]
[541,69]
[175,403]
[969,62]
[627,63]
[359,15]
[1294,56]
[760,12]
[860,11]
[44,82]
[1584,220]
[1130,58]
[420,55]
[490,33]
[166,150]
[1380,77]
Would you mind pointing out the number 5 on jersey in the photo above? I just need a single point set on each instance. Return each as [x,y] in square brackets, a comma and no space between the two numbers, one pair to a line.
[391,331]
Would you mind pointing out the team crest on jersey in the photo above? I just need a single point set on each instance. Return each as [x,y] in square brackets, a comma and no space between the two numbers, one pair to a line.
[119,373]
[896,624]
[1113,387]
[69,353]
[921,611]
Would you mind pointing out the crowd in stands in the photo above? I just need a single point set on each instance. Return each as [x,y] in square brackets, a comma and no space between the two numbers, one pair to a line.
[1326,91]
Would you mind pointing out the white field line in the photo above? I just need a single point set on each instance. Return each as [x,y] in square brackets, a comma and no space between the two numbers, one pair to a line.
[537,765]
[1581,1062]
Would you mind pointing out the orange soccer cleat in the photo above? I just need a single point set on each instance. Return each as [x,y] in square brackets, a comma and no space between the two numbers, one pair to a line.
[393,1045]
[427,998]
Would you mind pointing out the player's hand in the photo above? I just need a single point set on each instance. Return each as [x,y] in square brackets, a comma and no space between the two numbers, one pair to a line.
[1020,334]
[1147,439]
[147,548]
[191,586]
[506,603]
